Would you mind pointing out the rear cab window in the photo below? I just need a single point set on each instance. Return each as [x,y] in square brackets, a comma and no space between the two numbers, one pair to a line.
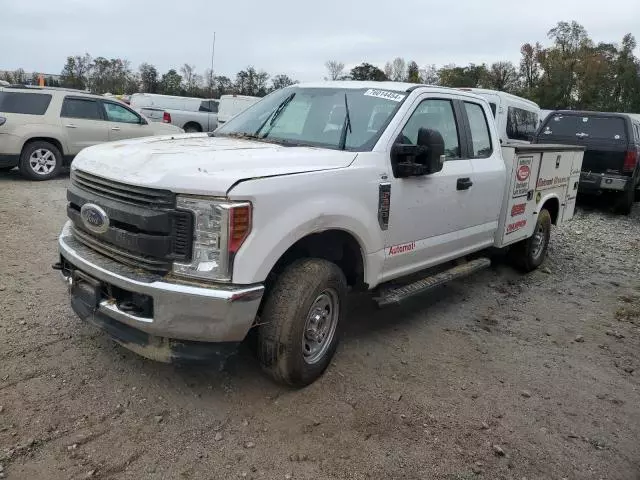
[585,127]
[84,108]
[24,103]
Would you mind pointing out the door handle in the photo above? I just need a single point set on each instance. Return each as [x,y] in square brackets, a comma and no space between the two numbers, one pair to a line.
[115,128]
[70,125]
[464,184]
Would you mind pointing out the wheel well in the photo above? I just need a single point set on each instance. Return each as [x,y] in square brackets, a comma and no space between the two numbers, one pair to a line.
[553,206]
[193,124]
[55,142]
[337,246]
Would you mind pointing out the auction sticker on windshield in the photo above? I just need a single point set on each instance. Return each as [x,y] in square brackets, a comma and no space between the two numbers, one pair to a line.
[393,96]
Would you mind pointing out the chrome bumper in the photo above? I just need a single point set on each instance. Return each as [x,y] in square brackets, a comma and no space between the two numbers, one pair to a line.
[216,313]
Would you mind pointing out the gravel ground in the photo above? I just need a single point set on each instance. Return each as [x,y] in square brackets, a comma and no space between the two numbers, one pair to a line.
[498,376]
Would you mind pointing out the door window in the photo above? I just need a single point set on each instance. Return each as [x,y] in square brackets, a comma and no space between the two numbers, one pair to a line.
[81,108]
[209,106]
[480,136]
[118,113]
[434,114]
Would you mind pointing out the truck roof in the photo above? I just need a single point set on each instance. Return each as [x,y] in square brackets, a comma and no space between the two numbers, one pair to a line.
[392,86]
[488,91]
[591,113]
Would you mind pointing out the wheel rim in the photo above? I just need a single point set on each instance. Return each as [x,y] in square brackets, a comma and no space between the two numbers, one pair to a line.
[538,241]
[42,161]
[320,326]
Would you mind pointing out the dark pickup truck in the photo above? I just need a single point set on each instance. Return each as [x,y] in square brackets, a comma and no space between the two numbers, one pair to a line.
[612,150]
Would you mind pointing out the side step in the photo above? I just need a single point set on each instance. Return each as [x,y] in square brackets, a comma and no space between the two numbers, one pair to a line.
[396,295]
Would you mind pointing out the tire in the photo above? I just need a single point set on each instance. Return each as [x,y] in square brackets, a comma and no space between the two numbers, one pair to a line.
[192,128]
[624,203]
[293,347]
[40,161]
[529,254]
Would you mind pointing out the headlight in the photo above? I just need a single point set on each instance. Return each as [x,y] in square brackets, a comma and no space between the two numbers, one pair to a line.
[219,229]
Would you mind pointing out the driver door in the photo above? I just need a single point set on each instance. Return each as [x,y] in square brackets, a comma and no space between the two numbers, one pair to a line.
[431,216]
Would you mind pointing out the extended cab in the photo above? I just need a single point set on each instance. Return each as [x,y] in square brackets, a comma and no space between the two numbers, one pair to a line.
[189,113]
[612,151]
[179,247]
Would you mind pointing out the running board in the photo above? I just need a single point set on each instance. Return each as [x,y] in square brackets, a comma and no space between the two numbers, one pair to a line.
[396,295]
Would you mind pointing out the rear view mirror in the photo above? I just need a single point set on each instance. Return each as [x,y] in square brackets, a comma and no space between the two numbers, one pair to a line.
[425,158]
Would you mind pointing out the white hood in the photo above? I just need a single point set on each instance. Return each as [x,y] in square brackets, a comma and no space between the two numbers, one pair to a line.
[202,165]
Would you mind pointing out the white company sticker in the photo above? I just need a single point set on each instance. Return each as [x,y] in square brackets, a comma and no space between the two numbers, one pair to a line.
[393,96]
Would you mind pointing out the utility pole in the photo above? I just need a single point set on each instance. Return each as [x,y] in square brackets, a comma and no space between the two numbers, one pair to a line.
[213,52]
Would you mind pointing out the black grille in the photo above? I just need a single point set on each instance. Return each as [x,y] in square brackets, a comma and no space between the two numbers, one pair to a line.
[146,230]
[120,255]
[122,192]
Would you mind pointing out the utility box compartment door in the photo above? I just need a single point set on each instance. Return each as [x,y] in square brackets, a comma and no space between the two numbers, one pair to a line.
[519,204]
[572,187]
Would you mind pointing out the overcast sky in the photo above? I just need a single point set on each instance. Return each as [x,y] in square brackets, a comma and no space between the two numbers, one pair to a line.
[292,37]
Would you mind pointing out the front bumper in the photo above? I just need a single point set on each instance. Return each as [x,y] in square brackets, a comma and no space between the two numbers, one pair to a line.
[599,182]
[181,314]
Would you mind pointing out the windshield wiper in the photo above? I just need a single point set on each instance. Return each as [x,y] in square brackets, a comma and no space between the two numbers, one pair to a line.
[274,116]
[346,125]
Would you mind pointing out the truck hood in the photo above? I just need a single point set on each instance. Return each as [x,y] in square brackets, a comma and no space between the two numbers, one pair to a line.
[201,165]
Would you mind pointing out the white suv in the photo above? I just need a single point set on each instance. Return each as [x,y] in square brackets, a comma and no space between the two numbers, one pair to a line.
[42,129]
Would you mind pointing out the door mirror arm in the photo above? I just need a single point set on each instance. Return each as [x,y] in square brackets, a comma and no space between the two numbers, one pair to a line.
[425,158]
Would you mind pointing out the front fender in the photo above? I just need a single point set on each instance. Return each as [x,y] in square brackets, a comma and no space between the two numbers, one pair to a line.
[280,221]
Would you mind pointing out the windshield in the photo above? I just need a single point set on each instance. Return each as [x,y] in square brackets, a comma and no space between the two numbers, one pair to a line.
[317,117]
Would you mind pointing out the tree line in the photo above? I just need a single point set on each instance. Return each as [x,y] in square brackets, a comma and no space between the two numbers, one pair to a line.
[116,76]
[573,72]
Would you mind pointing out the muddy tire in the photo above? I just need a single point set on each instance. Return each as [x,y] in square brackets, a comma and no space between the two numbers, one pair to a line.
[300,321]
[40,161]
[529,254]
[624,203]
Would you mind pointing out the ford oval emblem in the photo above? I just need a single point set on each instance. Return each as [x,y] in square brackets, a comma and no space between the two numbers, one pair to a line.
[94,218]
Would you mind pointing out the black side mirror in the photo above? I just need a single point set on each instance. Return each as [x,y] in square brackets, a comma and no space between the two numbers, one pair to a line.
[143,121]
[425,158]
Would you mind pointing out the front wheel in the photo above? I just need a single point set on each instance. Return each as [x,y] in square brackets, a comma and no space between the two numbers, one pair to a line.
[40,161]
[529,254]
[300,321]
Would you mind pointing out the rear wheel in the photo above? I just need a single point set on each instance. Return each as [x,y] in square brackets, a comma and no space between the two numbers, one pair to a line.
[529,254]
[40,161]
[300,321]
[192,128]
[624,203]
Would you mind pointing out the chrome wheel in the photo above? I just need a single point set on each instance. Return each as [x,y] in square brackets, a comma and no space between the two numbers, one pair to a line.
[320,326]
[538,241]
[42,161]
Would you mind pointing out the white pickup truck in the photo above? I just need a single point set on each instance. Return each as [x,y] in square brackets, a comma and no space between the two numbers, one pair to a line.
[179,246]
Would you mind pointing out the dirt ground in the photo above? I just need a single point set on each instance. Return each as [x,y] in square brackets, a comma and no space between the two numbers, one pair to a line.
[498,376]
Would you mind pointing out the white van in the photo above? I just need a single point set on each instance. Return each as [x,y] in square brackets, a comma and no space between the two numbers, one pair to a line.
[517,118]
[231,105]
[189,113]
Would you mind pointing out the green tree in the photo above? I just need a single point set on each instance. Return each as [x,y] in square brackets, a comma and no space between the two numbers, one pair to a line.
[252,82]
[413,73]
[281,81]
[471,76]
[170,83]
[224,85]
[366,71]
[503,76]
[75,72]
[148,78]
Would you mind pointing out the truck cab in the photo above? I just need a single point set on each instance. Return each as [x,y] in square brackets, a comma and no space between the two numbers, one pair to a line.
[315,191]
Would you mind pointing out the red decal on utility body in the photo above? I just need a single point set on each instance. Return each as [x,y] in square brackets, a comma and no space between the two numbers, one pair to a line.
[518,209]
[523,172]
[516,226]
[404,248]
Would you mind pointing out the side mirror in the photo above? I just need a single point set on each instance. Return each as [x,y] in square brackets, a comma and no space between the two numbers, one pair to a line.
[425,158]
[143,121]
